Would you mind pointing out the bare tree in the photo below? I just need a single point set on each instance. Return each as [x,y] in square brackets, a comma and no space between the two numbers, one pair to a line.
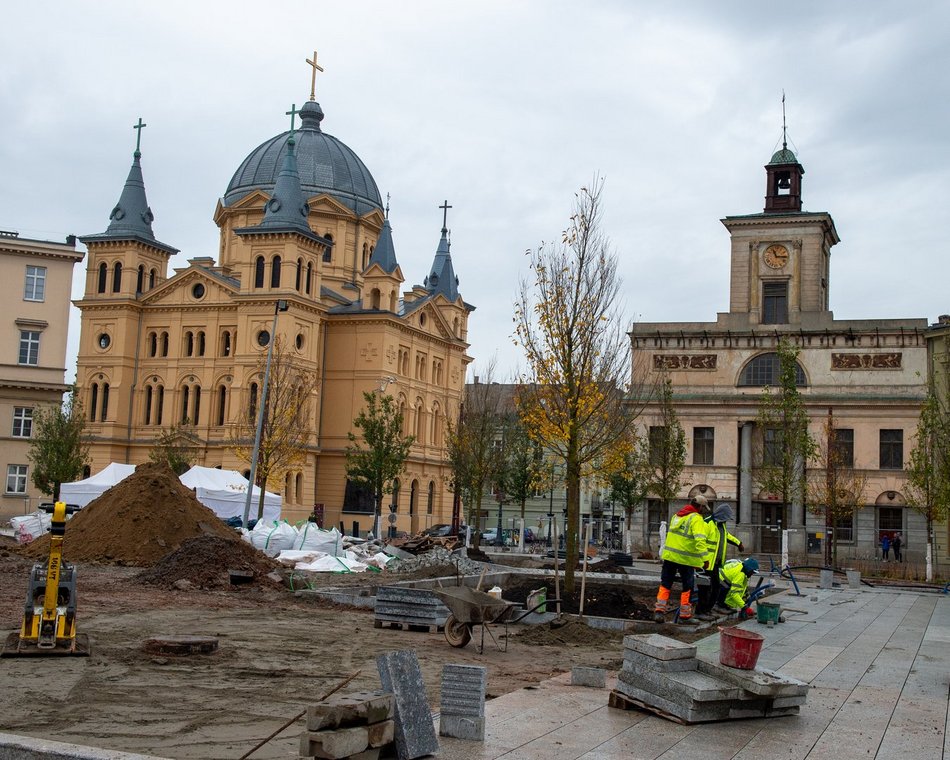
[835,488]
[473,446]
[568,323]
[287,428]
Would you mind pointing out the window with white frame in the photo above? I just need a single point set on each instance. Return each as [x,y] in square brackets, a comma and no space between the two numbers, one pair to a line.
[29,347]
[35,289]
[16,478]
[22,421]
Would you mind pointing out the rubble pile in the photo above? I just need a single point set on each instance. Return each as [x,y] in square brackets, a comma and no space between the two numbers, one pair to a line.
[421,543]
[441,558]
[136,522]
[208,562]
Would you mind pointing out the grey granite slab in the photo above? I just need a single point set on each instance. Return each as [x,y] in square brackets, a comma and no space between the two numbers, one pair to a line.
[659,647]
[400,675]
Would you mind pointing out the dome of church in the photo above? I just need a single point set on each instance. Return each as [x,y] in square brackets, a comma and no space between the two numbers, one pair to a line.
[324,163]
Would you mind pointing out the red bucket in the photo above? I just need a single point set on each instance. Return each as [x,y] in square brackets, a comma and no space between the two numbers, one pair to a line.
[739,648]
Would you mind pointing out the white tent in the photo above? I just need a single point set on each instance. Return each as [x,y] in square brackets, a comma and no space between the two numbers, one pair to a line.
[224,492]
[82,492]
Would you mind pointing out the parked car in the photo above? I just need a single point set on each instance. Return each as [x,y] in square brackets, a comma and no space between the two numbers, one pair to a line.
[438,530]
[489,536]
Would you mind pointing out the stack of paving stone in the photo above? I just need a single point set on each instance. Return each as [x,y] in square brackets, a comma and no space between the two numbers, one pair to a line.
[411,607]
[665,676]
[462,703]
[355,725]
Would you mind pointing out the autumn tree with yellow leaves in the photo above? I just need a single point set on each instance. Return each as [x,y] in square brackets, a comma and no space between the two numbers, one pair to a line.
[568,323]
[287,429]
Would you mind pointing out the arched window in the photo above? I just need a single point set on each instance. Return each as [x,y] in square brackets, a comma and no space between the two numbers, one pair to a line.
[151,279]
[309,275]
[93,401]
[365,255]
[140,278]
[328,250]
[226,343]
[153,344]
[405,417]
[201,343]
[413,495]
[299,273]
[117,277]
[374,298]
[259,272]
[160,406]
[196,415]
[420,428]
[431,497]
[189,343]
[252,406]
[275,272]
[436,434]
[105,402]
[222,403]
[164,344]
[298,488]
[103,275]
[395,501]
[184,404]
[148,405]
[765,370]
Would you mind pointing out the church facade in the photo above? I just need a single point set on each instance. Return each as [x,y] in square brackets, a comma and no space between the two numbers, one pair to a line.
[306,245]
[870,374]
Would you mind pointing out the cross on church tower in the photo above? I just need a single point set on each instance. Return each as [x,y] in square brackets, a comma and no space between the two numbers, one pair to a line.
[313,75]
[138,136]
[445,214]
[292,113]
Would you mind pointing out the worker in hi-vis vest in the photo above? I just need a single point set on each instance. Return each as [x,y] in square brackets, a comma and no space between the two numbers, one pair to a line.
[683,553]
[718,538]
[734,582]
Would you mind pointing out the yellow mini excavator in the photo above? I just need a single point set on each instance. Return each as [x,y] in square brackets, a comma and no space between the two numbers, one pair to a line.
[49,617]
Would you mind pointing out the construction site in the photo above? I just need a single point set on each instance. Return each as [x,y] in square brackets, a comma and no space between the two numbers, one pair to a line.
[187,641]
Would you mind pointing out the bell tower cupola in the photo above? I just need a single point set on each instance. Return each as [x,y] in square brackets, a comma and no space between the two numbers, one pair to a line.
[783,192]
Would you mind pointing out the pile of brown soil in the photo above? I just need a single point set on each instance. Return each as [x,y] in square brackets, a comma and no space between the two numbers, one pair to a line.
[568,632]
[205,562]
[136,522]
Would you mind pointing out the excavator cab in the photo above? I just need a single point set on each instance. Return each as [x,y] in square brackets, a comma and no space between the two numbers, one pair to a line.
[49,615]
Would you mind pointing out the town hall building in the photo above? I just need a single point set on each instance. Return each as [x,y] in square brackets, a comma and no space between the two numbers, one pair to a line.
[306,245]
[871,373]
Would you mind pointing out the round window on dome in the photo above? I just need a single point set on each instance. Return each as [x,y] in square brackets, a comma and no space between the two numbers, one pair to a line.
[263,338]
[197,291]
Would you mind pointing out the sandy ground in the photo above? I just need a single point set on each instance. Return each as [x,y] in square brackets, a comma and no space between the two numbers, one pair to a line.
[277,653]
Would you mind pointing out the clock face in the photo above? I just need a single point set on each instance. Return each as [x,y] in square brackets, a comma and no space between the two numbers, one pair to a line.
[776,256]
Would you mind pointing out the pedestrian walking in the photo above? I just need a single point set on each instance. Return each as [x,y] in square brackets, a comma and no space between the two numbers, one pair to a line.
[897,543]
[683,554]
[885,546]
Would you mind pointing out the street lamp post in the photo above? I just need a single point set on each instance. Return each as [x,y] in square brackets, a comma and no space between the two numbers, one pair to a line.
[278,307]
[499,541]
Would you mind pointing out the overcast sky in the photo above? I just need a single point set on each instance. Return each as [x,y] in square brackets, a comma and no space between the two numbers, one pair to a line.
[506,108]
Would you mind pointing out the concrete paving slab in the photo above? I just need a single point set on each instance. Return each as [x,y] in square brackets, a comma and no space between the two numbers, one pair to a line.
[877,663]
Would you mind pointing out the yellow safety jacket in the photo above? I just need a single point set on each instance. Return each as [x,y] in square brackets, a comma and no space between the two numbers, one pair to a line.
[717,538]
[686,538]
[733,574]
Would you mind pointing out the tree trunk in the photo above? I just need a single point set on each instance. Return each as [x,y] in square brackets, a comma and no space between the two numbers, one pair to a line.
[571,530]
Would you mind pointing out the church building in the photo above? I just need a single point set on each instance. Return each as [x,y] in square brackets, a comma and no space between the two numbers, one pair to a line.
[306,245]
[870,373]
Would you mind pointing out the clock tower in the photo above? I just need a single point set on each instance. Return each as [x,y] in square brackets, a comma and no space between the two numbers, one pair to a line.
[780,261]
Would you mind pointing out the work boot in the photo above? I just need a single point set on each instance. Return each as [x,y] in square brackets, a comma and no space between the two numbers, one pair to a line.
[659,616]
[688,621]
[705,616]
